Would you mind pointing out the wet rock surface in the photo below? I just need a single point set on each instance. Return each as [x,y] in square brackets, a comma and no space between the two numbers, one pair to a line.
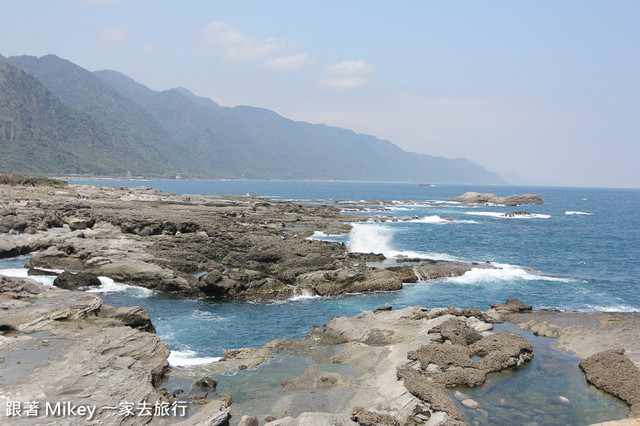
[396,367]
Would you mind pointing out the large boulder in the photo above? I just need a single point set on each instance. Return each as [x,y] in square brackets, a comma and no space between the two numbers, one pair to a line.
[79,280]
[131,316]
[350,280]
[614,373]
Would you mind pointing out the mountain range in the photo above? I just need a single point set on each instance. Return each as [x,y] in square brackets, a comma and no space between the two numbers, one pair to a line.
[59,118]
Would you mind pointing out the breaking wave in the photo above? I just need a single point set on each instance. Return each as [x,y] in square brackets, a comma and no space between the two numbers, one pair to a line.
[303,294]
[502,215]
[578,213]
[435,219]
[107,285]
[187,358]
[24,273]
[376,238]
[504,272]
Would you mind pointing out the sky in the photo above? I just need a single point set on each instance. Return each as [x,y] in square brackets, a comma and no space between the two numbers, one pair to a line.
[547,89]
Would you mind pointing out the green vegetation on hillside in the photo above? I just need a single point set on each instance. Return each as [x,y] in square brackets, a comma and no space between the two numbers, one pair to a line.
[58,118]
[13,179]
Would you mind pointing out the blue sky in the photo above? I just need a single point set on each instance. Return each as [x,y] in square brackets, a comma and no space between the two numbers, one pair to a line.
[548,89]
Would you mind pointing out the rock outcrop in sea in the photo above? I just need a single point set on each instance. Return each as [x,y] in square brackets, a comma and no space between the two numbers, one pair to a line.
[486,198]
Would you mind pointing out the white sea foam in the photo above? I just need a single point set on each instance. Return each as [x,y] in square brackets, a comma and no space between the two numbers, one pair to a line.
[319,235]
[208,316]
[187,358]
[613,308]
[375,238]
[302,294]
[502,215]
[15,272]
[435,219]
[505,272]
[578,213]
[390,209]
[24,273]
[107,285]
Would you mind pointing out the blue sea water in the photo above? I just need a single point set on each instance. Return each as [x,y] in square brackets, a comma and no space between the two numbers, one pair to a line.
[580,250]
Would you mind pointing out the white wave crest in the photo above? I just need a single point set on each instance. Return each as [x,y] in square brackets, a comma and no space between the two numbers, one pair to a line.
[613,308]
[302,294]
[375,238]
[435,219]
[578,213]
[24,273]
[504,272]
[503,215]
[107,285]
[187,358]
[317,235]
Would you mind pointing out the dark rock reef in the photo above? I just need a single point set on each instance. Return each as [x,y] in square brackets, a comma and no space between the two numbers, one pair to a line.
[230,247]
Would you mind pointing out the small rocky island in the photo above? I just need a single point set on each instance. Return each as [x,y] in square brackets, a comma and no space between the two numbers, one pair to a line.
[486,198]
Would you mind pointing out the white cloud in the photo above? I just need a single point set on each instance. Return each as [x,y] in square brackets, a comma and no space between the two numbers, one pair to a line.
[347,74]
[259,49]
[353,82]
[223,34]
[241,47]
[113,35]
[351,68]
[289,62]
[147,47]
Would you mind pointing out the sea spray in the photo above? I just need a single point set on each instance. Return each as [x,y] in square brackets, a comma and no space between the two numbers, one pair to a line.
[107,285]
[371,238]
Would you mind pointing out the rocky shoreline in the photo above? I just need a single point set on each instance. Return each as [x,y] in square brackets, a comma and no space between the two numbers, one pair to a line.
[63,346]
[228,247]
[393,367]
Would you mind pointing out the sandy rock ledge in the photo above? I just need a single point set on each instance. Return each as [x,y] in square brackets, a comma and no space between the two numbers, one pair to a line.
[60,346]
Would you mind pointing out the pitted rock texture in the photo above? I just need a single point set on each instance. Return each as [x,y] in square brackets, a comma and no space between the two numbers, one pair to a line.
[614,373]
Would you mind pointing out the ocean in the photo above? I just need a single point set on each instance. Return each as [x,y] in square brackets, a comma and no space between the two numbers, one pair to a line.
[580,250]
